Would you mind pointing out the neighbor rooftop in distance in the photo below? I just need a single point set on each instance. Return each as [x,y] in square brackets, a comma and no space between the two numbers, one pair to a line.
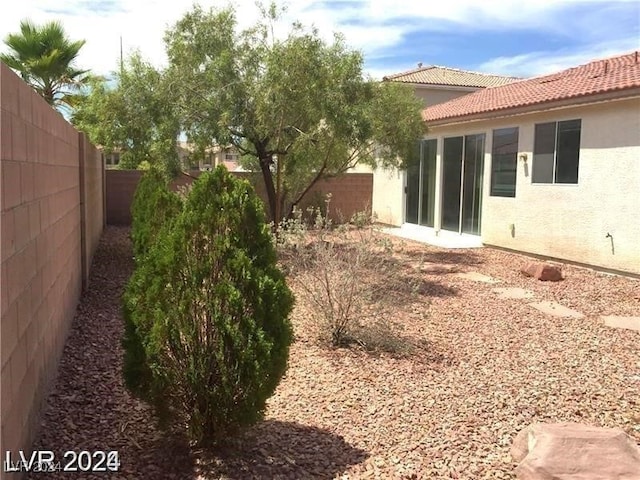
[437,75]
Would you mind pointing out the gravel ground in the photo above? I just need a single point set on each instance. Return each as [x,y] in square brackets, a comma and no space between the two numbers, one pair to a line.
[483,369]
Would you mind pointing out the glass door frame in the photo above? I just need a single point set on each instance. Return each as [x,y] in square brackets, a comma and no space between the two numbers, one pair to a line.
[420,174]
[463,168]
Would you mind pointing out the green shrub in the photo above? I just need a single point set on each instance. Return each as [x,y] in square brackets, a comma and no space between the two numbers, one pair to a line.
[153,208]
[154,205]
[136,370]
[211,309]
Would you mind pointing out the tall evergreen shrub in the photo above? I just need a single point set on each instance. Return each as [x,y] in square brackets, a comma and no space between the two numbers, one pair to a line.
[212,311]
[154,207]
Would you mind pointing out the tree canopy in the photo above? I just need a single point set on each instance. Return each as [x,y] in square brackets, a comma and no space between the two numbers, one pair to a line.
[134,114]
[300,106]
[44,57]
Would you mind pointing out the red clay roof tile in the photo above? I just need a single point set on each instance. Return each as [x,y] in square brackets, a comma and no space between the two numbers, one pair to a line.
[600,76]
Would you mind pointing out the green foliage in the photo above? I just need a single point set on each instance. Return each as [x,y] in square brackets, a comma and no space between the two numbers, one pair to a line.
[153,207]
[44,56]
[300,106]
[135,117]
[211,310]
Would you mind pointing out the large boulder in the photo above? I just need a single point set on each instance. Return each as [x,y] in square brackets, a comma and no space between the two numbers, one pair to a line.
[542,271]
[573,451]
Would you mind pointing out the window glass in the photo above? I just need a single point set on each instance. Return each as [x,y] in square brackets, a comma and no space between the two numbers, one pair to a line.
[568,151]
[544,153]
[504,158]
[472,183]
[452,166]
[428,182]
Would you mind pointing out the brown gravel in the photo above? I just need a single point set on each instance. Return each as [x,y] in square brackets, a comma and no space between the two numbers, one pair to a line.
[484,368]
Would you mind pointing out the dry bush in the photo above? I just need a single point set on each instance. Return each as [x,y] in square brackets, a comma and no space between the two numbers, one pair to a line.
[350,282]
[382,335]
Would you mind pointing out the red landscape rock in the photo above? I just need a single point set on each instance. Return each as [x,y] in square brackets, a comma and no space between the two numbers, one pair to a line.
[573,451]
[542,271]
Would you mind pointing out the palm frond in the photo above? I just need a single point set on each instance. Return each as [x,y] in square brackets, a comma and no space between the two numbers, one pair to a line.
[44,57]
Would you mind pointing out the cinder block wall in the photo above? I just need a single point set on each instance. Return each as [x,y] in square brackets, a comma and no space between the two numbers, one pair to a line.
[350,193]
[42,247]
[92,186]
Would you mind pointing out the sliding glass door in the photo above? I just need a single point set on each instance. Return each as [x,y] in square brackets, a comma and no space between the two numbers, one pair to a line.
[428,182]
[463,165]
[452,170]
[412,193]
[421,186]
[472,186]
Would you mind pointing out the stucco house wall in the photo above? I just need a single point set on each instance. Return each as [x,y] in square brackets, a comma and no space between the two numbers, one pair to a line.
[572,221]
[387,202]
[431,95]
[567,221]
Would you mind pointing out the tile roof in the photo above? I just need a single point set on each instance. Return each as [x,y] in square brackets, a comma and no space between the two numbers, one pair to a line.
[600,76]
[435,75]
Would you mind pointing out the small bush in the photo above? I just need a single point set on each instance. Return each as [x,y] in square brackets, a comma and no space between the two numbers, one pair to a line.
[362,219]
[329,273]
[212,308]
[348,279]
[382,335]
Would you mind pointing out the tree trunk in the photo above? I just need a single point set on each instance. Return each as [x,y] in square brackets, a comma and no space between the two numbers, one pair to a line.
[267,176]
[317,177]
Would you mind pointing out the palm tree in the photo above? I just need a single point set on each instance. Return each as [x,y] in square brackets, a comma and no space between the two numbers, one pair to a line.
[43,56]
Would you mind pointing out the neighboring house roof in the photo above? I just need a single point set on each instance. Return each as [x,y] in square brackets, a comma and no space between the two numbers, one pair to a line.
[445,76]
[598,77]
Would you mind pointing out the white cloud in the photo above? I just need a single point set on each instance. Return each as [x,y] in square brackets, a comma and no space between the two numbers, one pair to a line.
[374,26]
[542,63]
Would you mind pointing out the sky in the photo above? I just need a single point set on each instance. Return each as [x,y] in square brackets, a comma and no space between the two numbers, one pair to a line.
[511,37]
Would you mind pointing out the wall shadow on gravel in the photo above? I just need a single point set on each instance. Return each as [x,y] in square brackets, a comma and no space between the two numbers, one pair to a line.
[275,449]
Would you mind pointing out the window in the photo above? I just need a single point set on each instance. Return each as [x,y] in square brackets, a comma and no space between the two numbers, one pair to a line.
[504,158]
[112,158]
[230,156]
[556,152]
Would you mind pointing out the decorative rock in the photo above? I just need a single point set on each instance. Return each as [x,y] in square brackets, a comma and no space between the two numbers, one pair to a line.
[477,277]
[572,451]
[556,310]
[436,268]
[513,292]
[542,271]
[615,321]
